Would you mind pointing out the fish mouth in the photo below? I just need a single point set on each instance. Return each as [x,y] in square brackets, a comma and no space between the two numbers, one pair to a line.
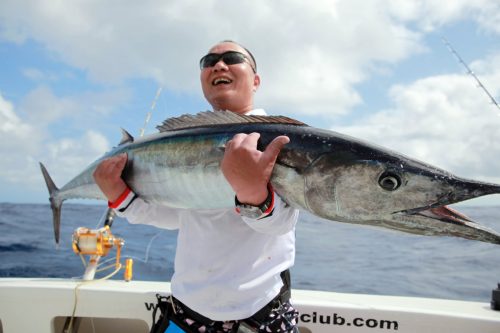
[437,218]
[446,221]
[437,211]
[441,213]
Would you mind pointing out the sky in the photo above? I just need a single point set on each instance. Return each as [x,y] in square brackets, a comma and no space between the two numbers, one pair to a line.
[73,72]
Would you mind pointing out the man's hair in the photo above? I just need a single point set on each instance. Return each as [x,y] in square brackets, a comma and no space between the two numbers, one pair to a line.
[246,50]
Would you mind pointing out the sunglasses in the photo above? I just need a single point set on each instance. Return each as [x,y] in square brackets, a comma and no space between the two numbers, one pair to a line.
[229,58]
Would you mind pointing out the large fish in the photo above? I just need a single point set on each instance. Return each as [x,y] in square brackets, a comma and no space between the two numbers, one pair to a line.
[326,173]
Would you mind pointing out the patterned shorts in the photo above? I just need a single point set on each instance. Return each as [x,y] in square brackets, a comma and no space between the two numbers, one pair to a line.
[282,319]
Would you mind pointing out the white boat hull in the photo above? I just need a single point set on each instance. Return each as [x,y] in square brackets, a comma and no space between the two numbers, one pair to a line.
[43,305]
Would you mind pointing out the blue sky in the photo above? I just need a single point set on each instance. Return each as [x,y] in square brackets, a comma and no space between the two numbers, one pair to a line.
[73,72]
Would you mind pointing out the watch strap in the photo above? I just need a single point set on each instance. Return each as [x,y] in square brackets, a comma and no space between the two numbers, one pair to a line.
[260,211]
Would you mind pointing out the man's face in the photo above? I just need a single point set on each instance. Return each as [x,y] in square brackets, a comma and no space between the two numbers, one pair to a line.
[229,87]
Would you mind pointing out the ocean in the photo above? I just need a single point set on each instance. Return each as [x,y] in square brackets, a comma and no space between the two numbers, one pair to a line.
[331,256]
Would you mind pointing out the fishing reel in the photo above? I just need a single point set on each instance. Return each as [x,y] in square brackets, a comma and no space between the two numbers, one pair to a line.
[97,243]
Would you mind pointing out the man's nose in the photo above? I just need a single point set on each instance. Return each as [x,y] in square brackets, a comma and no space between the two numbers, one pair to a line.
[220,65]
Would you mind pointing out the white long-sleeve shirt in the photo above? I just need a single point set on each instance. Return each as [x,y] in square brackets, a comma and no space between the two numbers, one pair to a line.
[227,267]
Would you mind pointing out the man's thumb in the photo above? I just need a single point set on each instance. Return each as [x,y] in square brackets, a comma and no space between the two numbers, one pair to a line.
[273,149]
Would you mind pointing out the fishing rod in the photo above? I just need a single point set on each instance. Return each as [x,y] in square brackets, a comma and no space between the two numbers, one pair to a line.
[470,72]
[148,115]
[97,243]
[495,294]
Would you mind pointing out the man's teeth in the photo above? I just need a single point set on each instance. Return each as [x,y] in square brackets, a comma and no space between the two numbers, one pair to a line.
[221,80]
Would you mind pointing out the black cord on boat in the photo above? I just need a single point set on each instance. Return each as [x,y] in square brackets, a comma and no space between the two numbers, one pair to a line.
[495,298]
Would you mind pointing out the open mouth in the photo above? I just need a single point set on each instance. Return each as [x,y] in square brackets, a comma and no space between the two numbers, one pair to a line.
[441,213]
[221,80]
[445,214]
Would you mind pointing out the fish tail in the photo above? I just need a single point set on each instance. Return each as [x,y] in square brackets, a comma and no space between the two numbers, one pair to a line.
[55,202]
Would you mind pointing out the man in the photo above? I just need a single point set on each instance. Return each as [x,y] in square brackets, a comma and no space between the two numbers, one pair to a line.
[231,265]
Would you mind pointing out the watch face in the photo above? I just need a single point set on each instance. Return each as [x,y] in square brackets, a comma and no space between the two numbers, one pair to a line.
[255,212]
[250,211]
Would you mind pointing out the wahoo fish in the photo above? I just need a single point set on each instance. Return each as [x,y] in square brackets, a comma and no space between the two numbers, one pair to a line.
[328,174]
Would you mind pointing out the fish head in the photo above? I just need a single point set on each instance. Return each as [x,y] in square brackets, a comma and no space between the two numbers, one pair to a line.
[364,189]
[392,191]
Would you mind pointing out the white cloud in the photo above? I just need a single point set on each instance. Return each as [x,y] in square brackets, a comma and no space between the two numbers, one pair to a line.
[38,75]
[42,107]
[24,141]
[311,54]
[13,131]
[84,109]
[431,14]
[9,121]
[33,74]
[66,157]
[18,140]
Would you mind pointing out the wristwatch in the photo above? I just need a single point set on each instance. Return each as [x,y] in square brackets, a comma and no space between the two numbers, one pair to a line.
[255,212]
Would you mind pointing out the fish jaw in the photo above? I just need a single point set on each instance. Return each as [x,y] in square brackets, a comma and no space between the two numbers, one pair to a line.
[448,221]
[438,219]
[445,213]
[444,221]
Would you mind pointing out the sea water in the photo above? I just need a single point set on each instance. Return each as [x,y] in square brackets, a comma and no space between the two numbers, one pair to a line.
[331,256]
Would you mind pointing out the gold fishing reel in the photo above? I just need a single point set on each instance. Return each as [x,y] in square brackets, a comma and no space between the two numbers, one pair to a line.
[97,243]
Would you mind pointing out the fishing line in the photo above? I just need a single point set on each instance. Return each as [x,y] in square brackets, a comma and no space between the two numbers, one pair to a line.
[105,268]
[146,255]
[99,267]
[145,260]
[148,248]
[83,260]
[81,284]
[92,324]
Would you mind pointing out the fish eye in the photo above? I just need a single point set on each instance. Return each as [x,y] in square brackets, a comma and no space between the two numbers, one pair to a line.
[389,181]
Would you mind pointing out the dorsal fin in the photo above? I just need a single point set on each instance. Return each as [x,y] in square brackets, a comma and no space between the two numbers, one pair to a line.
[214,118]
[126,137]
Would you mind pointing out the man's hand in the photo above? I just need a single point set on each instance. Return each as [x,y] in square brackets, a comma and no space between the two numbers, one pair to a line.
[107,176]
[247,169]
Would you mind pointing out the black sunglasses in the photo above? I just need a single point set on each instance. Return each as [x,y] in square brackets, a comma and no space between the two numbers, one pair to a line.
[229,58]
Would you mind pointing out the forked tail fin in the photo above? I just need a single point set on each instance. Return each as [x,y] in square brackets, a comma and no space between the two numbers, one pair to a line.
[55,203]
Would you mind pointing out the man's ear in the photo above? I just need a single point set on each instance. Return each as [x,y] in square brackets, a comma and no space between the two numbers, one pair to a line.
[256,82]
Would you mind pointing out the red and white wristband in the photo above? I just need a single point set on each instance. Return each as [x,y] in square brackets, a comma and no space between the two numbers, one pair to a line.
[123,201]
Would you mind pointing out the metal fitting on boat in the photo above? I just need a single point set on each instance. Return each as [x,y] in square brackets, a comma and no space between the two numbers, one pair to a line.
[495,298]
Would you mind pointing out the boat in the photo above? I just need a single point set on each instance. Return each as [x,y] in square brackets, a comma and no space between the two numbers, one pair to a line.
[48,305]
[52,305]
